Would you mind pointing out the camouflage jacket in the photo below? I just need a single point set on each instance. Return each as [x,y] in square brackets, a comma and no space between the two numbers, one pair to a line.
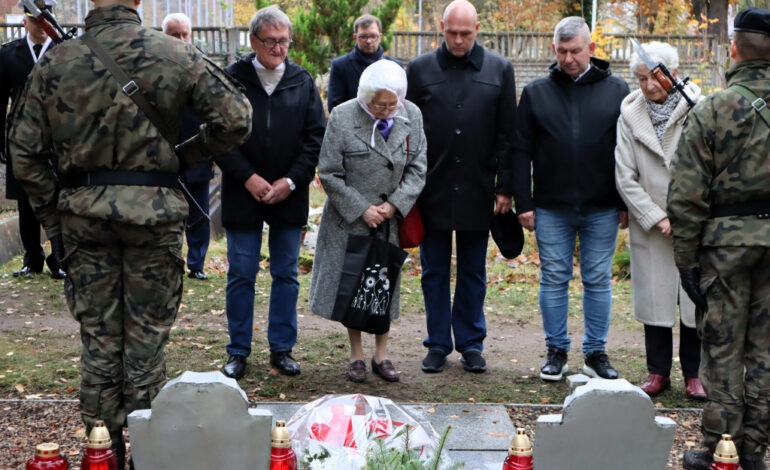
[722,158]
[72,106]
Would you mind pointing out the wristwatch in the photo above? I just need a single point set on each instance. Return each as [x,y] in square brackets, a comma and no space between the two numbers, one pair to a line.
[292,186]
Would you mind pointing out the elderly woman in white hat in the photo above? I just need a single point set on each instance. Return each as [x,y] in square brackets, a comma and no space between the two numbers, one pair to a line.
[372,166]
[649,126]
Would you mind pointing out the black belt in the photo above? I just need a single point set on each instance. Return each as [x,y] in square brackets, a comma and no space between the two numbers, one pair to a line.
[119,178]
[759,209]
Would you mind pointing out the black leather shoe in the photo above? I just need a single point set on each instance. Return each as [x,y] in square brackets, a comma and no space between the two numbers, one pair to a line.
[697,460]
[27,272]
[598,365]
[283,361]
[235,367]
[58,274]
[199,275]
[555,365]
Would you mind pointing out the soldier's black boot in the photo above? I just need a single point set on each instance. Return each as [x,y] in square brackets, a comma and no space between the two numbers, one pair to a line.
[697,459]
[753,464]
[120,452]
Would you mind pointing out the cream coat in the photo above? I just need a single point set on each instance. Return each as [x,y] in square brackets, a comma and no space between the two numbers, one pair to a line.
[641,176]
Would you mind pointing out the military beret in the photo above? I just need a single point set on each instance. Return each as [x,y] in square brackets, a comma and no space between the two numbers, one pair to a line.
[41,4]
[753,20]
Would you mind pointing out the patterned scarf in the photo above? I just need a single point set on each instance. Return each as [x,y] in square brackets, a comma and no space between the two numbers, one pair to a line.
[660,113]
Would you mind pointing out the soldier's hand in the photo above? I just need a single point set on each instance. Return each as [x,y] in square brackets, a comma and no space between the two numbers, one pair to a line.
[690,279]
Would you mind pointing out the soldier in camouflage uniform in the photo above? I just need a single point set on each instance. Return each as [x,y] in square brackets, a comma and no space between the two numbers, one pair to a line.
[719,207]
[120,211]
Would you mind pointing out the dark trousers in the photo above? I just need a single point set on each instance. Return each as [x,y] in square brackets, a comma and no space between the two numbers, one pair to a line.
[198,229]
[658,341]
[465,316]
[29,230]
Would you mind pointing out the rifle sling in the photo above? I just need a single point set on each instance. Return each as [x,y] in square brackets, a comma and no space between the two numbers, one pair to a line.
[759,104]
[130,88]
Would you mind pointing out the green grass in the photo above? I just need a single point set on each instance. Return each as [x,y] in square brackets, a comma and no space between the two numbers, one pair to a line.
[35,361]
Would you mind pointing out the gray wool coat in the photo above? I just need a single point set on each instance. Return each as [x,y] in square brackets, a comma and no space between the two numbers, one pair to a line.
[356,176]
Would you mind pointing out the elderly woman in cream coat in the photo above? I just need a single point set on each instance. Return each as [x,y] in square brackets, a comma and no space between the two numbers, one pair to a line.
[649,126]
[372,165]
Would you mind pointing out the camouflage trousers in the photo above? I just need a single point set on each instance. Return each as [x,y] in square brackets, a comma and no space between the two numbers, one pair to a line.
[124,285]
[735,347]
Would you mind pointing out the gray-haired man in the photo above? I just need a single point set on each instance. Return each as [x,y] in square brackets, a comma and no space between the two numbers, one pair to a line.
[565,144]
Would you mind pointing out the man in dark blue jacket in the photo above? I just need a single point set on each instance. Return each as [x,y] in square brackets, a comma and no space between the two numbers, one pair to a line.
[266,180]
[565,143]
[347,70]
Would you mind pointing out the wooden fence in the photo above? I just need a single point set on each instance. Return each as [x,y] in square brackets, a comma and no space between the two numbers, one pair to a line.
[699,55]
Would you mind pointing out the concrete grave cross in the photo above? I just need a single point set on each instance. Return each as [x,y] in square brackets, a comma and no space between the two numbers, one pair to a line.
[201,421]
[604,425]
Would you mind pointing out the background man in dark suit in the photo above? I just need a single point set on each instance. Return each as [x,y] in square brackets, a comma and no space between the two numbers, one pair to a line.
[16,61]
[346,70]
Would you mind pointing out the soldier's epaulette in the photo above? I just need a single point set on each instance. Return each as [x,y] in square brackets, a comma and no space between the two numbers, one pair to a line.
[6,43]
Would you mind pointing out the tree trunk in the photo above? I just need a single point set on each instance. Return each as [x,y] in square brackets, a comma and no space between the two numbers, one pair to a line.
[711,10]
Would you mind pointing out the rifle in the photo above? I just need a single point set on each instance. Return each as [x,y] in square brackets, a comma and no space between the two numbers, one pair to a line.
[48,22]
[660,72]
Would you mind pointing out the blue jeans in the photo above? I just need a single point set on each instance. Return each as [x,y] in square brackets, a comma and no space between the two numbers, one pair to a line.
[243,247]
[466,317]
[556,230]
[198,229]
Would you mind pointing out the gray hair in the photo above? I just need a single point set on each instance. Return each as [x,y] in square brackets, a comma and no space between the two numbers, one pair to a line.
[180,17]
[271,15]
[571,27]
[658,52]
[364,21]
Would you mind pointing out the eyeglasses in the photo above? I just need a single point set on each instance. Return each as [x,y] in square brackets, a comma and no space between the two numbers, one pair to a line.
[270,43]
[384,107]
[367,37]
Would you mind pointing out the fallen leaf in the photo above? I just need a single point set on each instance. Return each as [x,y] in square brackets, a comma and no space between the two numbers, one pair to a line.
[282,396]
[454,416]
[472,400]
[430,410]
[545,400]
[80,433]
[19,388]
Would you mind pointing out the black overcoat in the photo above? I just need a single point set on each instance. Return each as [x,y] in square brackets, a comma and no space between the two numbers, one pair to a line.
[16,63]
[286,133]
[468,107]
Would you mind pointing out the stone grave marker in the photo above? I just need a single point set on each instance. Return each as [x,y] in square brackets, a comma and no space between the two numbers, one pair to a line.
[201,421]
[604,425]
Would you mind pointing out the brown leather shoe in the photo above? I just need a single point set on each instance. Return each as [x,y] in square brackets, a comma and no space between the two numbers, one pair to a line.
[357,371]
[385,370]
[694,389]
[655,384]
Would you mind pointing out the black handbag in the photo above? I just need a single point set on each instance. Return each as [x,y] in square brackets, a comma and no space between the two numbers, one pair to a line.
[370,271]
